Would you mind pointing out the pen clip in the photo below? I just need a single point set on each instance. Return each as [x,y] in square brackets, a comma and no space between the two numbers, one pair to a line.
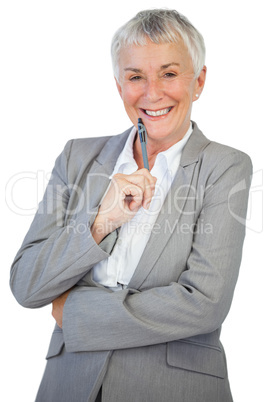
[142,131]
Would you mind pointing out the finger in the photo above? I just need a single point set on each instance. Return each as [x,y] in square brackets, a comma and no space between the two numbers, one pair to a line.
[145,172]
[132,196]
[148,175]
[147,182]
[141,179]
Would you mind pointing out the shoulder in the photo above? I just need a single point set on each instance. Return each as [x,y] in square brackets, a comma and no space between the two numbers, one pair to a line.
[215,162]
[218,153]
[214,155]
[218,158]
[83,150]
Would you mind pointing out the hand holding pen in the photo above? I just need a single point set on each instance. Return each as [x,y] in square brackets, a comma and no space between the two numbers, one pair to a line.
[125,196]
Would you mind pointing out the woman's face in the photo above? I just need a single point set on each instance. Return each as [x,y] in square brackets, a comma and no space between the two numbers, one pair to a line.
[157,83]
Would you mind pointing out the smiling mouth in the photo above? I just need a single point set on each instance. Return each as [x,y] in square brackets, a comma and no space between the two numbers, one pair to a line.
[156,113]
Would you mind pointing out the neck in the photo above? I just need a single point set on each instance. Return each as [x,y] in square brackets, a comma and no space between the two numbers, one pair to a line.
[154,147]
[137,153]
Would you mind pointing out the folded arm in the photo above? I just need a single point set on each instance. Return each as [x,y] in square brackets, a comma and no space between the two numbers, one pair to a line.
[197,303]
[59,249]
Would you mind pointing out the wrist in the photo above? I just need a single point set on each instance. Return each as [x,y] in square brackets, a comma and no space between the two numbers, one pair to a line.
[100,229]
[97,232]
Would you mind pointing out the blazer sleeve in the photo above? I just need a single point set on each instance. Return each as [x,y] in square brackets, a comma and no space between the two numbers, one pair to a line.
[53,257]
[198,303]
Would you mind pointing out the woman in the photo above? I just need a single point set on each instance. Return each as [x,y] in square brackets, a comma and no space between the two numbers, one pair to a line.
[140,265]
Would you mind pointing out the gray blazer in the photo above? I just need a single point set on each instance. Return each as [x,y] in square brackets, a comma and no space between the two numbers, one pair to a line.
[157,340]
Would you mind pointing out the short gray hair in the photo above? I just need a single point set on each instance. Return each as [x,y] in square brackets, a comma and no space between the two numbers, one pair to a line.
[161,26]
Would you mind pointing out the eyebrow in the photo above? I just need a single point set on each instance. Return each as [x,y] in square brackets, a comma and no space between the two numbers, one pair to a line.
[138,70]
[168,65]
[135,70]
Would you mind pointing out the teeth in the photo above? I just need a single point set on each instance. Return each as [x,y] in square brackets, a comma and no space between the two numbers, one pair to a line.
[158,112]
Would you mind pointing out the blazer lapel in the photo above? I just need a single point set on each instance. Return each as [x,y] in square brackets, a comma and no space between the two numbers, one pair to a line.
[172,207]
[102,168]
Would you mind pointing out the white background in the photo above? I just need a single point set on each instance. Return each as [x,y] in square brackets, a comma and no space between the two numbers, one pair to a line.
[57,83]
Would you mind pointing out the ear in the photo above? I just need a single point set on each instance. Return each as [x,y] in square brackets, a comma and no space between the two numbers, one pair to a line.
[118,87]
[199,83]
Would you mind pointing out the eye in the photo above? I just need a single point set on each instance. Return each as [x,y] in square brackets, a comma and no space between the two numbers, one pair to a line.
[170,75]
[135,78]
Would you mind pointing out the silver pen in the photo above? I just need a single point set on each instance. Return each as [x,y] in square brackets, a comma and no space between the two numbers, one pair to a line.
[143,139]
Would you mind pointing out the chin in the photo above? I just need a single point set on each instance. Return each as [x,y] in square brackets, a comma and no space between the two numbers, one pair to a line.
[158,135]
[159,130]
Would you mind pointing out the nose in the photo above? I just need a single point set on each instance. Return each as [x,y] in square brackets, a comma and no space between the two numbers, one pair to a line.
[153,91]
